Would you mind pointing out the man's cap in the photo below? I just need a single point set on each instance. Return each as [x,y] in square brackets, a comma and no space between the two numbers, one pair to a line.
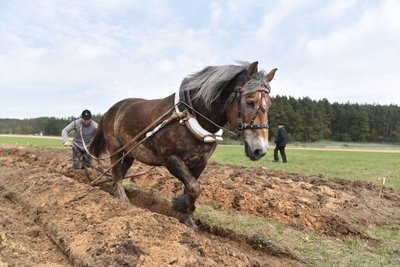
[280,123]
[86,114]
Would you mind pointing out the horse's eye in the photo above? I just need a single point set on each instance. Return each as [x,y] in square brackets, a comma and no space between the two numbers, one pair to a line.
[250,103]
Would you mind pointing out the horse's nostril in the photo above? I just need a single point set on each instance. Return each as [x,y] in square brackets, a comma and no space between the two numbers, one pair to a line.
[259,152]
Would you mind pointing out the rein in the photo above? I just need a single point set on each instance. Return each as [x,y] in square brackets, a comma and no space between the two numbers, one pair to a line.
[174,116]
[229,132]
[179,115]
[241,126]
[130,141]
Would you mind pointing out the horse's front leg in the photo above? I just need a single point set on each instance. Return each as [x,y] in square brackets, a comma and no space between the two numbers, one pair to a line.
[185,203]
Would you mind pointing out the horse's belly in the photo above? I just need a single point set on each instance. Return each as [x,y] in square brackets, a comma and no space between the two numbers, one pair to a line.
[145,155]
[192,158]
[199,155]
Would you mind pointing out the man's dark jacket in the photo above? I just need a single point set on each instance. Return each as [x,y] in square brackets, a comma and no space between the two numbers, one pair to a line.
[281,140]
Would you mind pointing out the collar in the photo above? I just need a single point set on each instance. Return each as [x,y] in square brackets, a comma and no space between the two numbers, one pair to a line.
[191,122]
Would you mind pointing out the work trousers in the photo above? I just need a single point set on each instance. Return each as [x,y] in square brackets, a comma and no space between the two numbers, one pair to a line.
[80,159]
[281,149]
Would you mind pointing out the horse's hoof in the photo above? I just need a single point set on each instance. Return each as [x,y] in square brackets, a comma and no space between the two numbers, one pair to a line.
[187,220]
[125,199]
[119,192]
[192,224]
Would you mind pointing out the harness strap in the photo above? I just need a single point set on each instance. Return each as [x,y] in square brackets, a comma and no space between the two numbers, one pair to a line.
[144,131]
[201,134]
[241,125]
[174,116]
[238,94]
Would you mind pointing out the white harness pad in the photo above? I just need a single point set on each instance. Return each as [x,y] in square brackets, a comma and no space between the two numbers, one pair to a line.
[195,128]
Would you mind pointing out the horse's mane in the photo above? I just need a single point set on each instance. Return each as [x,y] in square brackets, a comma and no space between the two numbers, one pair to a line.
[209,83]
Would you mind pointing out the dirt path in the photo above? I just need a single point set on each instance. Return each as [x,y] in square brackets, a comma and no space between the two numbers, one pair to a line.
[92,228]
[52,216]
[22,241]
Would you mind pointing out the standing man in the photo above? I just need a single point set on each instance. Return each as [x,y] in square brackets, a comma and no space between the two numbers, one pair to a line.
[84,127]
[280,143]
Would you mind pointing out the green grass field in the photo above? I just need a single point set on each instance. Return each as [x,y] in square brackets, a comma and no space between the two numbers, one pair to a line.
[351,165]
[31,141]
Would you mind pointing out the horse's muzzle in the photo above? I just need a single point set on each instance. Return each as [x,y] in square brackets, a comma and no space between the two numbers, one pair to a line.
[255,152]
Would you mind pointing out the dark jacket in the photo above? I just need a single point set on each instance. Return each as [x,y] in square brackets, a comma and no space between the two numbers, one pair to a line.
[281,140]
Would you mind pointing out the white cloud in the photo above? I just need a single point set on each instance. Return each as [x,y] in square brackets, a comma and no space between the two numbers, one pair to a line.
[93,52]
[277,14]
[335,10]
[108,50]
[355,62]
[217,12]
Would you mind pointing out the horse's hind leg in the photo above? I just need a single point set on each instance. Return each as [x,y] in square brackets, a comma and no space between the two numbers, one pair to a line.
[126,164]
[119,171]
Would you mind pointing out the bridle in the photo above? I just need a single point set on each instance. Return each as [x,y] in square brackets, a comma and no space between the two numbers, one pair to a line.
[262,106]
[184,99]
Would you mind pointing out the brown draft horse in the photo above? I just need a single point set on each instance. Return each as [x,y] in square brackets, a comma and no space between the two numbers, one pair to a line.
[238,95]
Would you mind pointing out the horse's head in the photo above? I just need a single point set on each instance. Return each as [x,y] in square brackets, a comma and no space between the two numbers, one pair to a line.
[248,111]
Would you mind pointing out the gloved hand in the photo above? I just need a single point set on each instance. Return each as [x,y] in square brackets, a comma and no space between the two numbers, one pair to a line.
[67,144]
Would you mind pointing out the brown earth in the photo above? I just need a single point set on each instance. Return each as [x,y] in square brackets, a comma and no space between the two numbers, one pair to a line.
[51,216]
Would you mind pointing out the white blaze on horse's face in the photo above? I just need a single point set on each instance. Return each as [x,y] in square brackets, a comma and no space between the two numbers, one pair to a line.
[256,140]
[247,111]
[255,107]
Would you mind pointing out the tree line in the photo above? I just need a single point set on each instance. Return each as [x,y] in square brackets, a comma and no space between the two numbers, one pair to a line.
[308,120]
[305,120]
[38,126]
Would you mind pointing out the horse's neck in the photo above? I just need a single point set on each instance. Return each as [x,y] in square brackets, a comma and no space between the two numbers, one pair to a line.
[217,112]
[214,116]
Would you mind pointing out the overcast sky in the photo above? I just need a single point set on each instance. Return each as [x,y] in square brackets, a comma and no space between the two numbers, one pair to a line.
[60,57]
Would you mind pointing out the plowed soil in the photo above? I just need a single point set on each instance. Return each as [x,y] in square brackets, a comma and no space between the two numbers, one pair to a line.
[52,216]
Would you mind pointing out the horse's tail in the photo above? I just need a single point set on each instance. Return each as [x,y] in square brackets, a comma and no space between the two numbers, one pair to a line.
[98,144]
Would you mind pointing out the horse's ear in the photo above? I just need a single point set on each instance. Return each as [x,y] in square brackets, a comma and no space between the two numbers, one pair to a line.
[271,74]
[252,69]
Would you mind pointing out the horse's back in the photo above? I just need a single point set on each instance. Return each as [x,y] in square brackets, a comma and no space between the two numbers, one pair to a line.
[129,117]
[132,113]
